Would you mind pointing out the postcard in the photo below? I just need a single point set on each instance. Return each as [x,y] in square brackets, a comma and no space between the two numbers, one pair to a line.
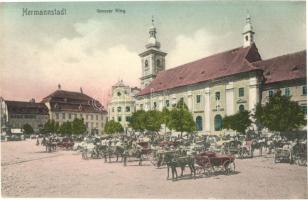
[153,99]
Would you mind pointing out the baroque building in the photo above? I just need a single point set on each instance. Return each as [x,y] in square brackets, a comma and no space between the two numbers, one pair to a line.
[67,105]
[224,83]
[122,103]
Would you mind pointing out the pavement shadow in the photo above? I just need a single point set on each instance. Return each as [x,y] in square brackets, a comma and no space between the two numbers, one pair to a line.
[217,174]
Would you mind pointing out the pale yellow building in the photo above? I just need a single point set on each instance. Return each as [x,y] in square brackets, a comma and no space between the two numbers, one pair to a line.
[224,83]
[122,103]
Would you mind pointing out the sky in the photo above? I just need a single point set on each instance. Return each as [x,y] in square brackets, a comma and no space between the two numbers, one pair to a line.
[94,50]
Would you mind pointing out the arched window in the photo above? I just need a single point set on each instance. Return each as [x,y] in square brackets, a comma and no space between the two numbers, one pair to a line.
[199,123]
[241,108]
[218,123]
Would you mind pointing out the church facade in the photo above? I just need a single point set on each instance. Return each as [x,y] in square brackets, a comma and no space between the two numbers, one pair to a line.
[221,84]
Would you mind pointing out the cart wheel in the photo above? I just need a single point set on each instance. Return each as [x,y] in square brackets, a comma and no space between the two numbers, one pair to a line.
[209,171]
[229,167]
[302,162]
[275,159]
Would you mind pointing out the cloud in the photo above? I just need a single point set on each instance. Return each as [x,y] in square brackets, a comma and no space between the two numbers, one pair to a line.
[82,60]
[199,45]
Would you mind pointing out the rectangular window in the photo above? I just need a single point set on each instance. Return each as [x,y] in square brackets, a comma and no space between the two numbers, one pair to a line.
[69,115]
[304,92]
[91,117]
[141,106]
[96,117]
[63,115]
[287,92]
[217,96]
[155,105]
[119,118]
[241,92]
[96,125]
[182,99]
[270,93]
[112,109]
[102,125]
[102,117]
[127,109]
[198,98]
[167,103]
[127,118]
[75,116]
[57,115]
[87,124]
[87,117]
[80,115]
[119,109]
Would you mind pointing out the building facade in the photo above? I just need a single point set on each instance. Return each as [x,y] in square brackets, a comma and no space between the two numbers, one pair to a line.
[122,103]
[15,114]
[224,83]
[65,106]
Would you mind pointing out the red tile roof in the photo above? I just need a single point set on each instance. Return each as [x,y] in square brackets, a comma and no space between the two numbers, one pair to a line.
[213,67]
[21,107]
[62,100]
[283,68]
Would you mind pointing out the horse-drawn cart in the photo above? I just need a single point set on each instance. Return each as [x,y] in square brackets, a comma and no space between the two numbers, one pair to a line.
[211,162]
[283,154]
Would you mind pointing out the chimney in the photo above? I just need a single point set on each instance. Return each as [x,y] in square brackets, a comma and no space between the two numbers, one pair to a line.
[81,90]
[32,100]
[59,86]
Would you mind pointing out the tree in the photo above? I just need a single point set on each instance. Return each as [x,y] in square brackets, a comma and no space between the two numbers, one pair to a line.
[51,126]
[113,127]
[280,114]
[78,126]
[137,121]
[66,128]
[153,120]
[238,122]
[28,130]
[181,119]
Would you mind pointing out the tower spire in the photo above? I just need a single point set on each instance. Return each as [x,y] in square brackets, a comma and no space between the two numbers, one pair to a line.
[248,32]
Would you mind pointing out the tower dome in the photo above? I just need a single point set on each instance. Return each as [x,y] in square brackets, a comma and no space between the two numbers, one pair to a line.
[152,41]
[248,26]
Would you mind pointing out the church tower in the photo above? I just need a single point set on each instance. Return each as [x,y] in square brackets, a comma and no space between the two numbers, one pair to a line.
[152,59]
[248,33]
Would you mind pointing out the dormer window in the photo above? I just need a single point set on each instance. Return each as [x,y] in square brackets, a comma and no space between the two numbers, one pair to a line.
[246,37]
[268,73]
[119,94]
[295,68]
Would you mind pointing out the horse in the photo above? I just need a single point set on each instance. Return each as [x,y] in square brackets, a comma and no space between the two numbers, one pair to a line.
[173,161]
